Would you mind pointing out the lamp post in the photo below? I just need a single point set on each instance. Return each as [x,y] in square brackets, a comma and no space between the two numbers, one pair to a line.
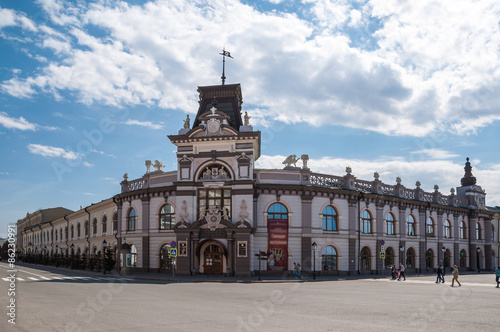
[314,247]
[478,251]
[72,254]
[104,244]
[443,249]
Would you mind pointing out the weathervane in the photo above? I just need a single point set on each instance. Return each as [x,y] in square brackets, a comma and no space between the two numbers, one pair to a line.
[224,55]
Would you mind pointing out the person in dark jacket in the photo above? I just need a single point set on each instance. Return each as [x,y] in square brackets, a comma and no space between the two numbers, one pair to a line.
[440,275]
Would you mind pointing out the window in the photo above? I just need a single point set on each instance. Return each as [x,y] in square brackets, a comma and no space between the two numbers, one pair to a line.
[104,226]
[410,225]
[366,222]
[389,257]
[72,231]
[329,219]
[447,229]
[329,259]
[478,231]
[429,227]
[94,227]
[221,198]
[115,222]
[131,220]
[389,225]
[463,258]
[242,248]
[410,258]
[493,235]
[429,259]
[78,231]
[86,228]
[165,259]
[463,230]
[365,259]
[167,217]
[277,211]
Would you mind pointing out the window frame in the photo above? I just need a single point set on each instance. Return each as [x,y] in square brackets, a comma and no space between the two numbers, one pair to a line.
[391,222]
[366,223]
[328,219]
[131,220]
[429,227]
[170,216]
[413,225]
[333,259]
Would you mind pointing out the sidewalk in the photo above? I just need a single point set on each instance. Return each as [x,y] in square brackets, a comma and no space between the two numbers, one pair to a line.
[168,277]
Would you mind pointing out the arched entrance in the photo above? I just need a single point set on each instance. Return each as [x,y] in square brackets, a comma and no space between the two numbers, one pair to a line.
[389,257]
[212,259]
[429,259]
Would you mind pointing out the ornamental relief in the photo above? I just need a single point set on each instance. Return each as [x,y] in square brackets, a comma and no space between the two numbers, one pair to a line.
[215,172]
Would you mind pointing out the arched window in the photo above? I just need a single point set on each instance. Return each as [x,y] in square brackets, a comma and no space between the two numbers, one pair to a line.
[329,219]
[277,211]
[104,224]
[463,230]
[86,228]
[429,259]
[72,231]
[131,220]
[366,222]
[115,222]
[429,227]
[55,236]
[389,225]
[78,230]
[329,259]
[165,259]
[463,258]
[410,225]
[410,258]
[478,231]
[94,227]
[447,229]
[389,257]
[365,259]
[167,217]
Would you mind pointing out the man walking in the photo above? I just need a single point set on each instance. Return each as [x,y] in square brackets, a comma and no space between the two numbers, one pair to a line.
[497,273]
[455,276]
[402,272]
[440,275]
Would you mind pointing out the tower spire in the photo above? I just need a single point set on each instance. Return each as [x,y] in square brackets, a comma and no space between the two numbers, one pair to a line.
[224,55]
[468,179]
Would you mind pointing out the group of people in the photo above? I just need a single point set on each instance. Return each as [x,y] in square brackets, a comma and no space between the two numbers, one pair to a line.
[398,274]
[440,275]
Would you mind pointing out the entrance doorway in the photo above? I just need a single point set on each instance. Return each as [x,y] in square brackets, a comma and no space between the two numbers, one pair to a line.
[212,259]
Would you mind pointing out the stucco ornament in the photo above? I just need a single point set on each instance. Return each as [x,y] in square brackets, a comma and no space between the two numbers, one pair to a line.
[213,217]
[291,159]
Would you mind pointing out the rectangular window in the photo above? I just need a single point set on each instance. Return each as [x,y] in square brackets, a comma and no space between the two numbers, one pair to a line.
[182,248]
[221,198]
[242,248]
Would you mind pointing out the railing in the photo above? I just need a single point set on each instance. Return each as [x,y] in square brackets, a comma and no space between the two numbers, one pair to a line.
[363,186]
[136,185]
[329,181]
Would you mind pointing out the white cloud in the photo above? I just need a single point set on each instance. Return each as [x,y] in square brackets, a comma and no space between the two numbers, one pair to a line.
[436,153]
[393,67]
[13,123]
[50,151]
[87,164]
[446,174]
[147,124]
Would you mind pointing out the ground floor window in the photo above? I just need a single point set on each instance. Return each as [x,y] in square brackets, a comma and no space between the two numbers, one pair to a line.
[410,258]
[329,259]
[165,259]
[365,259]
[463,258]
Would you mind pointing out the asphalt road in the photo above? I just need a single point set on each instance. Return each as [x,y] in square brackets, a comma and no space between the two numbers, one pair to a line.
[64,301]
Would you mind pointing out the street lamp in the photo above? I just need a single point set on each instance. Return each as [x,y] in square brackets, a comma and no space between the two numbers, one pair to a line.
[443,249]
[104,244]
[314,247]
[478,250]
[72,246]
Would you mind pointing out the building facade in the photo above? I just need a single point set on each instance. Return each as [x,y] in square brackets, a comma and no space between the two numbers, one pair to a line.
[220,212]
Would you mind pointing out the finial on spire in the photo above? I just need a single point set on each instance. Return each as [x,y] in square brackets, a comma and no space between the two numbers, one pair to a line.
[468,179]
[224,55]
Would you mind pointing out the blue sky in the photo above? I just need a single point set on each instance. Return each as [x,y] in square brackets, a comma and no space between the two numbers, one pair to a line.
[90,89]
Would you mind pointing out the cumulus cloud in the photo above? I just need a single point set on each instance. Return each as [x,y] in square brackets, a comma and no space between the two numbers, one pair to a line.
[13,123]
[147,124]
[397,68]
[51,151]
[87,164]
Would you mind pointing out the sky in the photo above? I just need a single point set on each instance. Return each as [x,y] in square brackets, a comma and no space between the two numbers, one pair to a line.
[89,90]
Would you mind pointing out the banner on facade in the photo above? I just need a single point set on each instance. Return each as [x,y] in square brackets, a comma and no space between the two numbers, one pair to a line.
[277,245]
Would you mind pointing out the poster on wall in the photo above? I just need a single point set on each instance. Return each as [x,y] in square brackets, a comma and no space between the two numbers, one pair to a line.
[277,245]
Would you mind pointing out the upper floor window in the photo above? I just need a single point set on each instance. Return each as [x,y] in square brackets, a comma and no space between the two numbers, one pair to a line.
[167,217]
[478,231]
[447,229]
[94,227]
[72,231]
[86,228]
[366,222]
[410,225]
[220,198]
[429,227]
[329,219]
[389,224]
[78,231]
[131,220]
[463,230]
[115,222]
[104,223]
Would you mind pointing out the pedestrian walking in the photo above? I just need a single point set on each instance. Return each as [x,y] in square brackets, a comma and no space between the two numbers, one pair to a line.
[294,269]
[401,272]
[455,273]
[394,272]
[497,273]
[440,274]
[299,274]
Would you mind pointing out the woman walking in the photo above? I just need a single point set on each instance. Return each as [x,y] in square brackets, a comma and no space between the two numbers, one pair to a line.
[455,276]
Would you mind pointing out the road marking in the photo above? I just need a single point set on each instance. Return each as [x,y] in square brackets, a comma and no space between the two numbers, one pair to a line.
[20,279]
[33,278]
[5,279]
